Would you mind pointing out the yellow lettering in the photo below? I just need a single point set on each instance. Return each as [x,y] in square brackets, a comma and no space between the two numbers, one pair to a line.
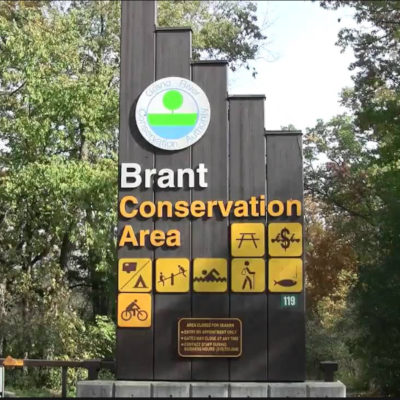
[173,238]
[181,209]
[128,236]
[122,206]
[262,206]
[225,209]
[271,210]
[151,209]
[241,209]
[167,205]
[197,208]
[142,237]
[289,207]
[210,208]
[157,238]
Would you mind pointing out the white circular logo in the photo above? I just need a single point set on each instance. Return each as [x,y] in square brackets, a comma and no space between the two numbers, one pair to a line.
[172,113]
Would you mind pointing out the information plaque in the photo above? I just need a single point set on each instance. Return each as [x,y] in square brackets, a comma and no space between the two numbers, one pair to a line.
[210,337]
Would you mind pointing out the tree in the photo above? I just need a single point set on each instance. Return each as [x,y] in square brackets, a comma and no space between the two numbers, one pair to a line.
[359,180]
[59,89]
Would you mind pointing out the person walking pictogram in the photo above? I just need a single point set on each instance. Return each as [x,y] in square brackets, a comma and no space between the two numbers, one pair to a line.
[249,277]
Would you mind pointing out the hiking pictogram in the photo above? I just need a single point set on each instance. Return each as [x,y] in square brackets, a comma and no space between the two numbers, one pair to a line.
[210,275]
[247,239]
[285,275]
[248,275]
[285,239]
[134,310]
[135,275]
[172,275]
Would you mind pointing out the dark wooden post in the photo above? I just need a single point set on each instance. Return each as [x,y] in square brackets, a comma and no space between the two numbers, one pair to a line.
[134,352]
[210,237]
[173,53]
[286,326]
[246,179]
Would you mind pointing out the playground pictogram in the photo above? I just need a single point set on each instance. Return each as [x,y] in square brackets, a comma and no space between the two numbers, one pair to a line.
[172,275]
[285,239]
[248,275]
[134,310]
[247,239]
[210,275]
[135,275]
[285,275]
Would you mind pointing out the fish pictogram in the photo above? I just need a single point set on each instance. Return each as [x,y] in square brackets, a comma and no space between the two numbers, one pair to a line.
[285,282]
[284,239]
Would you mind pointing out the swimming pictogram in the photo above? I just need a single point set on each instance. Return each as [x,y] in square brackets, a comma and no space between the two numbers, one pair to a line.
[135,275]
[285,239]
[248,275]
[172,275]
[247,239]
[285,275]
[134,310]
[210,275]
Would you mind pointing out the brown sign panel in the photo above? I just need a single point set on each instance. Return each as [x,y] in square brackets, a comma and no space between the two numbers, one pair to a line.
[210,337]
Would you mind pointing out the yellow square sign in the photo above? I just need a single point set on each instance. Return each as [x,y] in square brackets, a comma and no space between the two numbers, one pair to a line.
[247,239]
[134,275]
[285,239]
[172,275]
[285,275]
[248,275]
[134,310]
[210,275]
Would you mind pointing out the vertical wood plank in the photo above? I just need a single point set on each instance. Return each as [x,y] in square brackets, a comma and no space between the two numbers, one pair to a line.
[248,178]
[134,353]
[173,53]
[286,327]
[210,237]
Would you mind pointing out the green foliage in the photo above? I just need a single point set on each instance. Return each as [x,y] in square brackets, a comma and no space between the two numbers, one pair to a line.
[354,173]
[221,29]
[59,90]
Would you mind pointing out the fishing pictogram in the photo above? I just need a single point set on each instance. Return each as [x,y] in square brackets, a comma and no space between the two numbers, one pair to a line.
[172,275]
[285,275]
[135,275]
[285,238]
[210,275]
[247,239]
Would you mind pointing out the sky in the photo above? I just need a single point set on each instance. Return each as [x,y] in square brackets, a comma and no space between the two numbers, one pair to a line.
[300,69]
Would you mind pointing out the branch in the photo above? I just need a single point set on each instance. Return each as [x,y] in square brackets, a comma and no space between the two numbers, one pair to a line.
[14,91]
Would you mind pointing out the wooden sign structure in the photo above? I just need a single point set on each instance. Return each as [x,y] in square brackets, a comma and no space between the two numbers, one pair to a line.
[245,269]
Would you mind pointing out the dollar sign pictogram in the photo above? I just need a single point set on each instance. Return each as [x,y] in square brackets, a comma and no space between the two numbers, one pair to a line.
[285,240]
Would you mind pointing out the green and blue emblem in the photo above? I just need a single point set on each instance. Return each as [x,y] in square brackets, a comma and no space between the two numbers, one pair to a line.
[173,113]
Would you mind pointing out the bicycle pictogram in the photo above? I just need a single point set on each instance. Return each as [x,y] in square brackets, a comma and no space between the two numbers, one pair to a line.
[133,310]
